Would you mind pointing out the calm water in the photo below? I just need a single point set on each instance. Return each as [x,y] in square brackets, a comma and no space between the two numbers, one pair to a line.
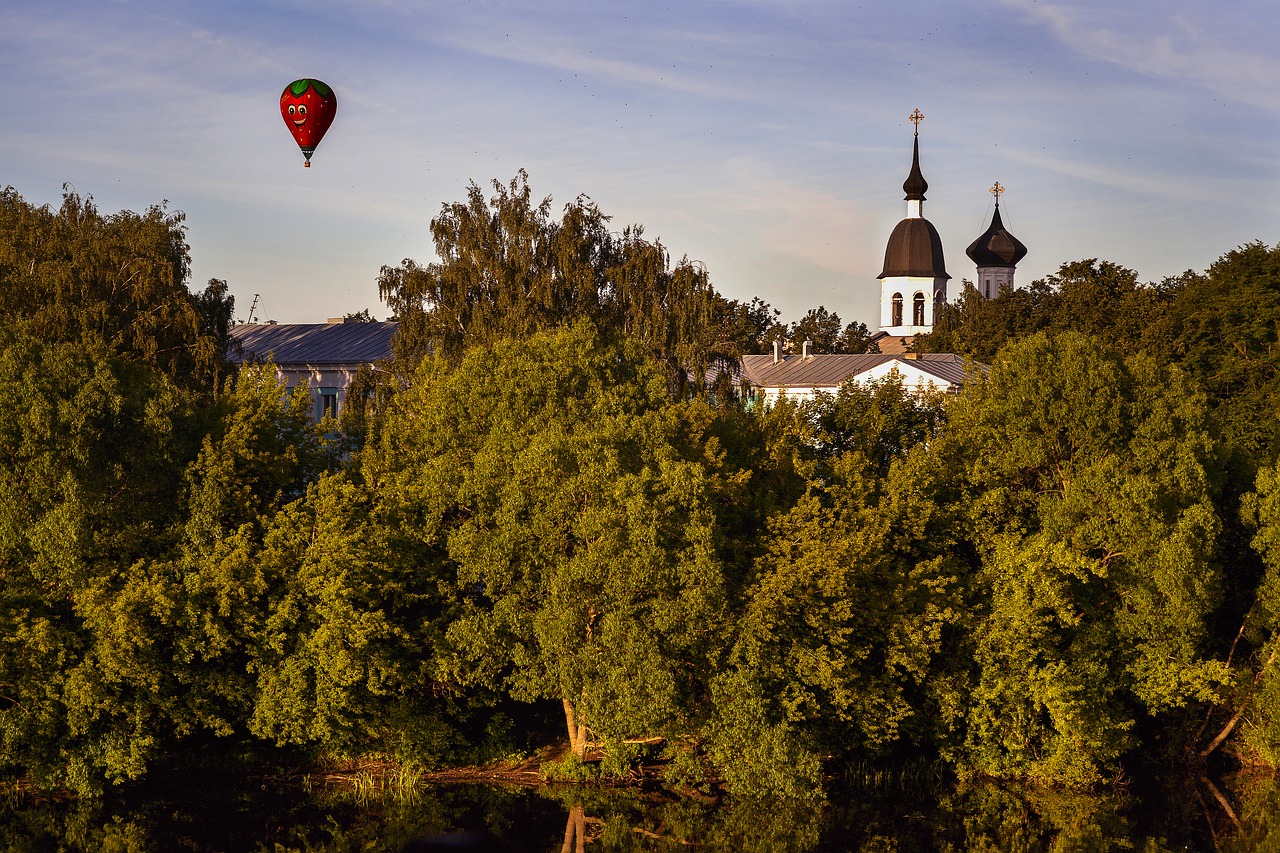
[473,817]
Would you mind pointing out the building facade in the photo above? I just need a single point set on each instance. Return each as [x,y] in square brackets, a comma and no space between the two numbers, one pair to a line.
[322,357]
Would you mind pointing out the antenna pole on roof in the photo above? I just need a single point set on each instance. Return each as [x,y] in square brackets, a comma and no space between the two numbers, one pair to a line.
[253,310]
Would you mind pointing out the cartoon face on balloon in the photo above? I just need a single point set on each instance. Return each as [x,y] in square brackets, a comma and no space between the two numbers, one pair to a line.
[308,107]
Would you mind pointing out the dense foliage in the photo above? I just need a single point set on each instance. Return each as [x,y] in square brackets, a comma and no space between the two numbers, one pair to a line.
[1074,563]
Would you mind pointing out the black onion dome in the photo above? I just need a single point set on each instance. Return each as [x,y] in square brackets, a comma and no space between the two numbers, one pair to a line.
[914,249]
[915,185]
[997,247]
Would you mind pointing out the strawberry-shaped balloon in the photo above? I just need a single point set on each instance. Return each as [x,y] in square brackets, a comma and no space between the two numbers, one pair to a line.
[308,107]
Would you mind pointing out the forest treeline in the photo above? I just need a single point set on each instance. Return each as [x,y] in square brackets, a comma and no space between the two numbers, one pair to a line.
[1067,571]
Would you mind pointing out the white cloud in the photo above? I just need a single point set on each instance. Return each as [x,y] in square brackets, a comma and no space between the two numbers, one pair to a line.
[559,56]
[1177,46]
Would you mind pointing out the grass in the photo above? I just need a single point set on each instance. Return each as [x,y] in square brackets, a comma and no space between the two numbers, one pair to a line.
[899,778]
[367,782]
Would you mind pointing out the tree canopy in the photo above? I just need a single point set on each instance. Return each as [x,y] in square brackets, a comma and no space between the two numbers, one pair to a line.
[507,269]
[571,504]
[75,275]
[1066,568]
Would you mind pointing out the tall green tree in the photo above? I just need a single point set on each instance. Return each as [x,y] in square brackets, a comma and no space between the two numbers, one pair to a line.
[855,581]
[135,603]
[570,506]
[977,327]
[77,275]
[1223,327]
[750,327]
[881,420]
[1092,297]
[1089,481]
[840,631]
[1248,711]
[1103,299]
[508,269]
[260,458]
[828,333]
[329,660]
[90,446]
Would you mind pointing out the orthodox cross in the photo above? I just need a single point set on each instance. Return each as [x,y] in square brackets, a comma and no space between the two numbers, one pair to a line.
[916,117]
[997,191]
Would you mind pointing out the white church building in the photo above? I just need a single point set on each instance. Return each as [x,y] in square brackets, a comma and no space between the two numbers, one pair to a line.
[913,289]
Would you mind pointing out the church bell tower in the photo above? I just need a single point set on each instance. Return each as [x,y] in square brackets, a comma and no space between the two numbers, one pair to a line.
[913,285]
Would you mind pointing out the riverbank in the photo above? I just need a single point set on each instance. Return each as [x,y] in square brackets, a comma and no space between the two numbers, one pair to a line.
[379,805]
[647,771]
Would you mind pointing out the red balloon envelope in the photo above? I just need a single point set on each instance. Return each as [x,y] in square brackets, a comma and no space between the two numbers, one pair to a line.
[308,107]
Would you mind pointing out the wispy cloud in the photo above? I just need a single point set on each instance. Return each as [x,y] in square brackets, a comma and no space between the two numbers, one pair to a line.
[562,57]
[752,134]
[1127,180]
[1161,43]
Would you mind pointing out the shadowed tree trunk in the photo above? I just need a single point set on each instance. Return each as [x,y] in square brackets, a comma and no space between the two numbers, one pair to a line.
[577,733]
[1244,704]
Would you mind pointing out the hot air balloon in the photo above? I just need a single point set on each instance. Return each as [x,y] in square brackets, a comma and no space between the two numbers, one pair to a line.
[308,107]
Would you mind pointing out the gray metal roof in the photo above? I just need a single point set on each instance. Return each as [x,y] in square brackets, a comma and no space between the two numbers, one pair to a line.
[947,366]
[314,343]
[829,371]
[892,344]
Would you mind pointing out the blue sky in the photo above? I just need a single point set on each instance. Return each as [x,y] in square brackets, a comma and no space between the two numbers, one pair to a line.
[768,140]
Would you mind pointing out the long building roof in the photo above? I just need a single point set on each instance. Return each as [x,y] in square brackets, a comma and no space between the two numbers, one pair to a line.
[829,371]
[314,343]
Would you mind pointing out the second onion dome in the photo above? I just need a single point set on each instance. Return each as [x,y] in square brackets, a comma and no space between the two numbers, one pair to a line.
[996,253]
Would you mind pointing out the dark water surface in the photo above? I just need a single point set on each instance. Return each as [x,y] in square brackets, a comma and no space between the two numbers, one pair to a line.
[1242,814]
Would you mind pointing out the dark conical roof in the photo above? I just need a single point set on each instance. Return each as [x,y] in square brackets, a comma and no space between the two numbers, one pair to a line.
[914,249]
[997,247]
[915,185]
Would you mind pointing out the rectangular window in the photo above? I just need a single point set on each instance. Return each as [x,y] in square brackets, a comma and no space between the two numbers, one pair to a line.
[328,407]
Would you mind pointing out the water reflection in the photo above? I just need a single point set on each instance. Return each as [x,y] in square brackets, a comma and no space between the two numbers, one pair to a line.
[1242,813]
[575,830]
[1254,823]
